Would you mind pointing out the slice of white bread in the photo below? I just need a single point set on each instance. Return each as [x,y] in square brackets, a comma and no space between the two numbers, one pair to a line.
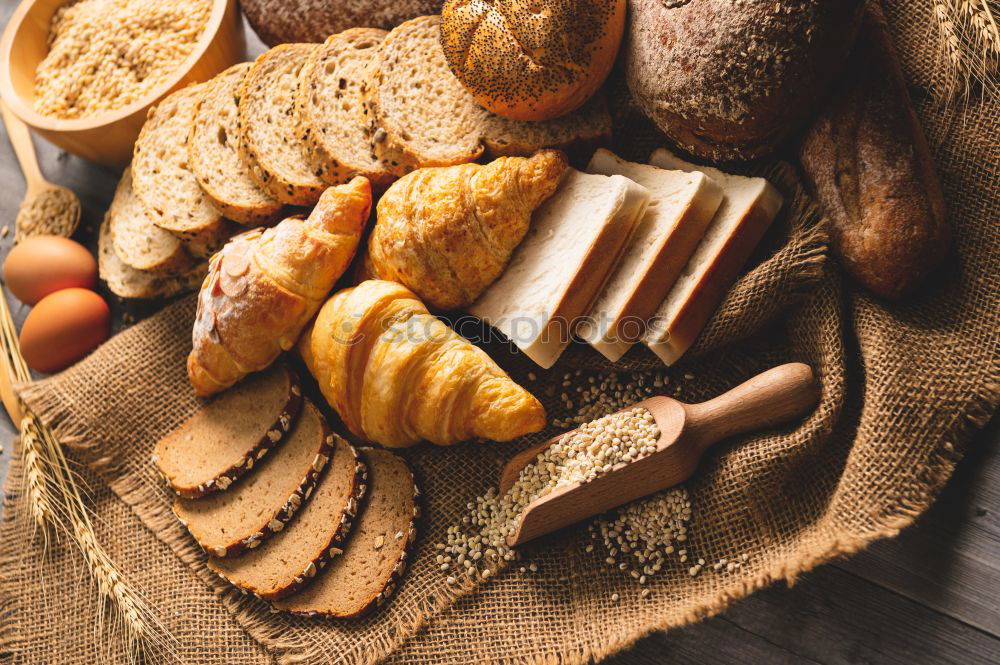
[749,205]
[165,185]
[231,434]
[271,142]
[374,557]
[423,116]
[213,151]
[333,111]
[576,239]
[681,206]
[137,241]
[317,535]
[126,282]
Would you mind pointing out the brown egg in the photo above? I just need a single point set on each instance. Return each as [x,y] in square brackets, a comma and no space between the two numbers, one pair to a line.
[42,265]
[64,327]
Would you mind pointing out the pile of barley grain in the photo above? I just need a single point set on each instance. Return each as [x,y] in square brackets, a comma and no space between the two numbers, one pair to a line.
[479,543]
[106,54]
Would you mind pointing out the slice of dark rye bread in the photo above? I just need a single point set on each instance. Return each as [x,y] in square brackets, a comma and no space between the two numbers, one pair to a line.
[261,503]
[374,558]
[333,111]
[292,558]
[271,141]
[213,150]
[226,438]
[421,114]
[126,282]
[137,241]
[168,190]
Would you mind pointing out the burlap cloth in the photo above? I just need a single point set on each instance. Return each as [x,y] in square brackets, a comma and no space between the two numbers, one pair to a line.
[903,387]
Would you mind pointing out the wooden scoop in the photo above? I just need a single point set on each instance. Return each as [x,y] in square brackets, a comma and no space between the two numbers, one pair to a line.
[779,395]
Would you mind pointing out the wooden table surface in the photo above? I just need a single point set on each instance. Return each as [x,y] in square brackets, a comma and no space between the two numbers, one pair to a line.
[930,596]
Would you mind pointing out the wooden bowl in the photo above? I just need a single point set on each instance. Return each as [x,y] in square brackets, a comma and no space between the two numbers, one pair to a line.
[106,138]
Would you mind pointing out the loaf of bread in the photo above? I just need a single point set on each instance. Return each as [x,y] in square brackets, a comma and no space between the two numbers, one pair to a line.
[532,60]
[280,21]
[397,375]
[447,233]
[727,81]
[265,285]
[868,163]
[556,274]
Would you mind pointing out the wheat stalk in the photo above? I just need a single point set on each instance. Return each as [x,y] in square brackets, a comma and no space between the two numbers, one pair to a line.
[56,501]
[969,43]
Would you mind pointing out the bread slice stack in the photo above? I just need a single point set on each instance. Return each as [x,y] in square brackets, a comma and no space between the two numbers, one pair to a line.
[285,508]
[626,253]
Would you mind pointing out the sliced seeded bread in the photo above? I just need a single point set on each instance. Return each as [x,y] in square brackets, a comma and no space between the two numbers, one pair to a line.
[331,108]
[168,190]
[375,555]
[213,149]
[292,558]
[260,504]
[231,434]
[137,241]
[126,282]
[423,116]
[271,141]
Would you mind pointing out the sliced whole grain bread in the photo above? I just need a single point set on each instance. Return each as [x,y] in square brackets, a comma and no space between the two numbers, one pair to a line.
[232,433]
[137,241]
[213,150]
[292,558]
[271,141]
[375,555]
[165,185]
[333,111]
[261,503]
[423,116]
[126,282]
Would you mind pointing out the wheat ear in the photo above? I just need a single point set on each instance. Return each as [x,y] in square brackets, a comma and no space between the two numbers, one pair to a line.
[969,41]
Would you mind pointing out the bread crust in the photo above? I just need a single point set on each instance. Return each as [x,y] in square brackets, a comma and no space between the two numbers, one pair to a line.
[867,161]
[532,60]
[741,77]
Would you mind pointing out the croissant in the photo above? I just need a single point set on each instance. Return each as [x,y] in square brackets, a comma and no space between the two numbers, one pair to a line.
[264,286]
[397,375]
[447,233]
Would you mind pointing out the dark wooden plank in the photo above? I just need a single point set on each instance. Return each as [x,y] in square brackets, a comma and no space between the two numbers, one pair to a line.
[950,560]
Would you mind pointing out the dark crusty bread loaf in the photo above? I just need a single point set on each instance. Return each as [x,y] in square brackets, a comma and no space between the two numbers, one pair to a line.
[868,163]
[375,555]
[726,80]
[137,241]
[292,558]
[161,179]
[213,149]
[270,140]
[333,111]
[232,433]
[279,21]
[423,116]
[261,503]
[126,282]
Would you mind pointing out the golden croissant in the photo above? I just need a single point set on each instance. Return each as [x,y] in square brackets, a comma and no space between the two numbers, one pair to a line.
[264,286]
[397,375]
[448,232]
